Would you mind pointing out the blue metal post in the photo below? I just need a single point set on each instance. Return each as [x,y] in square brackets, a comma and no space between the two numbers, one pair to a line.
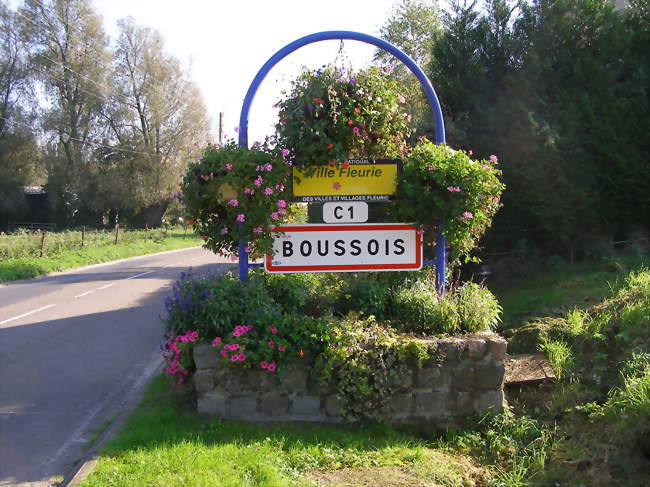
[368,39]
[243,261]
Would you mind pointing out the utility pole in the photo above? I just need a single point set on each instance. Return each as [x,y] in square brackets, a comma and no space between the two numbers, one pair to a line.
[220,127]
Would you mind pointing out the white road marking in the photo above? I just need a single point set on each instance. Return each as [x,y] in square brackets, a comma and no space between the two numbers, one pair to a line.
[27,314]
[141,274]
[84,294]
[106,286]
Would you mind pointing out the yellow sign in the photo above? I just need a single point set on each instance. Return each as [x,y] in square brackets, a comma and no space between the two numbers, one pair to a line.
[352,180]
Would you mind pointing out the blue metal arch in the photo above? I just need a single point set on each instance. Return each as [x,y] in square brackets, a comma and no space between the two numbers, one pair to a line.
[368,39]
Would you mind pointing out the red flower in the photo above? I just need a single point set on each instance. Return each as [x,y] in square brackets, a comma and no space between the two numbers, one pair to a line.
[190,222]
[301,354]
[350,122]
[330,146]
[357,110]
[332,163]
[345,165]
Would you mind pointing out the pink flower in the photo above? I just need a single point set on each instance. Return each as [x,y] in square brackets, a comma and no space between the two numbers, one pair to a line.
[282,204]
[241,218]
[420,231]
[355,130]
[268,191]
[216,341]
[248,191]
[453,189]
[288,163]
[233,203]
[228,167]
[258,181]
[493,158]
[285,152]
[234,358]
[271,367]
[274,330]
[268,167]
[430,168]
[279,187]
[258,230]
[271,344]
[224,352]
[274,216]
[224,231]
[263,364]
[468,214]
[242,356]
[193,336]
[282,211]
[281,348]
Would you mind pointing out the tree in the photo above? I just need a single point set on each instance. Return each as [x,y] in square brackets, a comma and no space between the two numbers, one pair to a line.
[154,121]
[68,48]
[18,154]
[413,26]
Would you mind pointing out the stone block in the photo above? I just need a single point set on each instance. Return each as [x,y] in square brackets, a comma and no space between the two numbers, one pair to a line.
[295,380]
[434,403]
[204,380]
[306,405]
[489,400]
[400,379]
[242,406]
[433,378]
[401,404]
[205,357]
[463,376]
[235,381]
[274,404]
[450,349]
[212,404]
[333,406]
[476,348]
[464,403]
[489,375]
[497,348]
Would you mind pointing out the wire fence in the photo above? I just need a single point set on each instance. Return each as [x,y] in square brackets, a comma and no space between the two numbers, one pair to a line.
[25,243]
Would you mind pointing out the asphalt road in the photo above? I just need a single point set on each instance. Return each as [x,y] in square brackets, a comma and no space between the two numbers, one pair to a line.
[72,347]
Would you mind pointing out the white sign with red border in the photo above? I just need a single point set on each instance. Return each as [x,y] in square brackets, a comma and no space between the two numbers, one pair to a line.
[345,248]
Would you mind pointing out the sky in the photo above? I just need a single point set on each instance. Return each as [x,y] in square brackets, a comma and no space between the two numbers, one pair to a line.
[223,44]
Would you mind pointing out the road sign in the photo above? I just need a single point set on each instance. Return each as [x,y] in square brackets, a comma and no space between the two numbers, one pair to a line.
[345,248]
[345,212]
[352,180]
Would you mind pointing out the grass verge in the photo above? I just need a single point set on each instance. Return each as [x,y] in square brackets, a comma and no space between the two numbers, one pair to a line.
[27,267]
[164,443]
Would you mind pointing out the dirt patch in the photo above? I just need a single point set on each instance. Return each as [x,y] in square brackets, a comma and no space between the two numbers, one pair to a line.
[368,477]
[527,368]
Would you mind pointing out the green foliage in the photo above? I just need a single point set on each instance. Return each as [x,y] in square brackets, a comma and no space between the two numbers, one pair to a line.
[565,99]
[559,355]
[331,116]
[478,309]
[441,184]
[234,194]
[364,363]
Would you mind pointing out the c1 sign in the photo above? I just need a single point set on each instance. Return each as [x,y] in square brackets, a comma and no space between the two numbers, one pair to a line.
[345,248]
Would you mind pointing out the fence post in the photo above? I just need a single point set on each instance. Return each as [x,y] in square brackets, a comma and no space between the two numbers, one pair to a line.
[83,236]
[42,242]
[117,232]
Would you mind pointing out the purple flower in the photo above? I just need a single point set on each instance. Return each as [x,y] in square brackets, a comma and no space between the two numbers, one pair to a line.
[285,152]
[468,214]
[258,181]
[268,191]
[233,203]
[241,218]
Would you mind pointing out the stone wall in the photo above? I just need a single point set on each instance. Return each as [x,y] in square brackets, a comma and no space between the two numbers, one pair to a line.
[466,378]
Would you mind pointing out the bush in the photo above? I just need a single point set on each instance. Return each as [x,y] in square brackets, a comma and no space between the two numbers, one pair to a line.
[214,306]
[478,309]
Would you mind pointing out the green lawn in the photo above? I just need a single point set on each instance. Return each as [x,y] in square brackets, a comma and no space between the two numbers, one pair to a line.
[62,254]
